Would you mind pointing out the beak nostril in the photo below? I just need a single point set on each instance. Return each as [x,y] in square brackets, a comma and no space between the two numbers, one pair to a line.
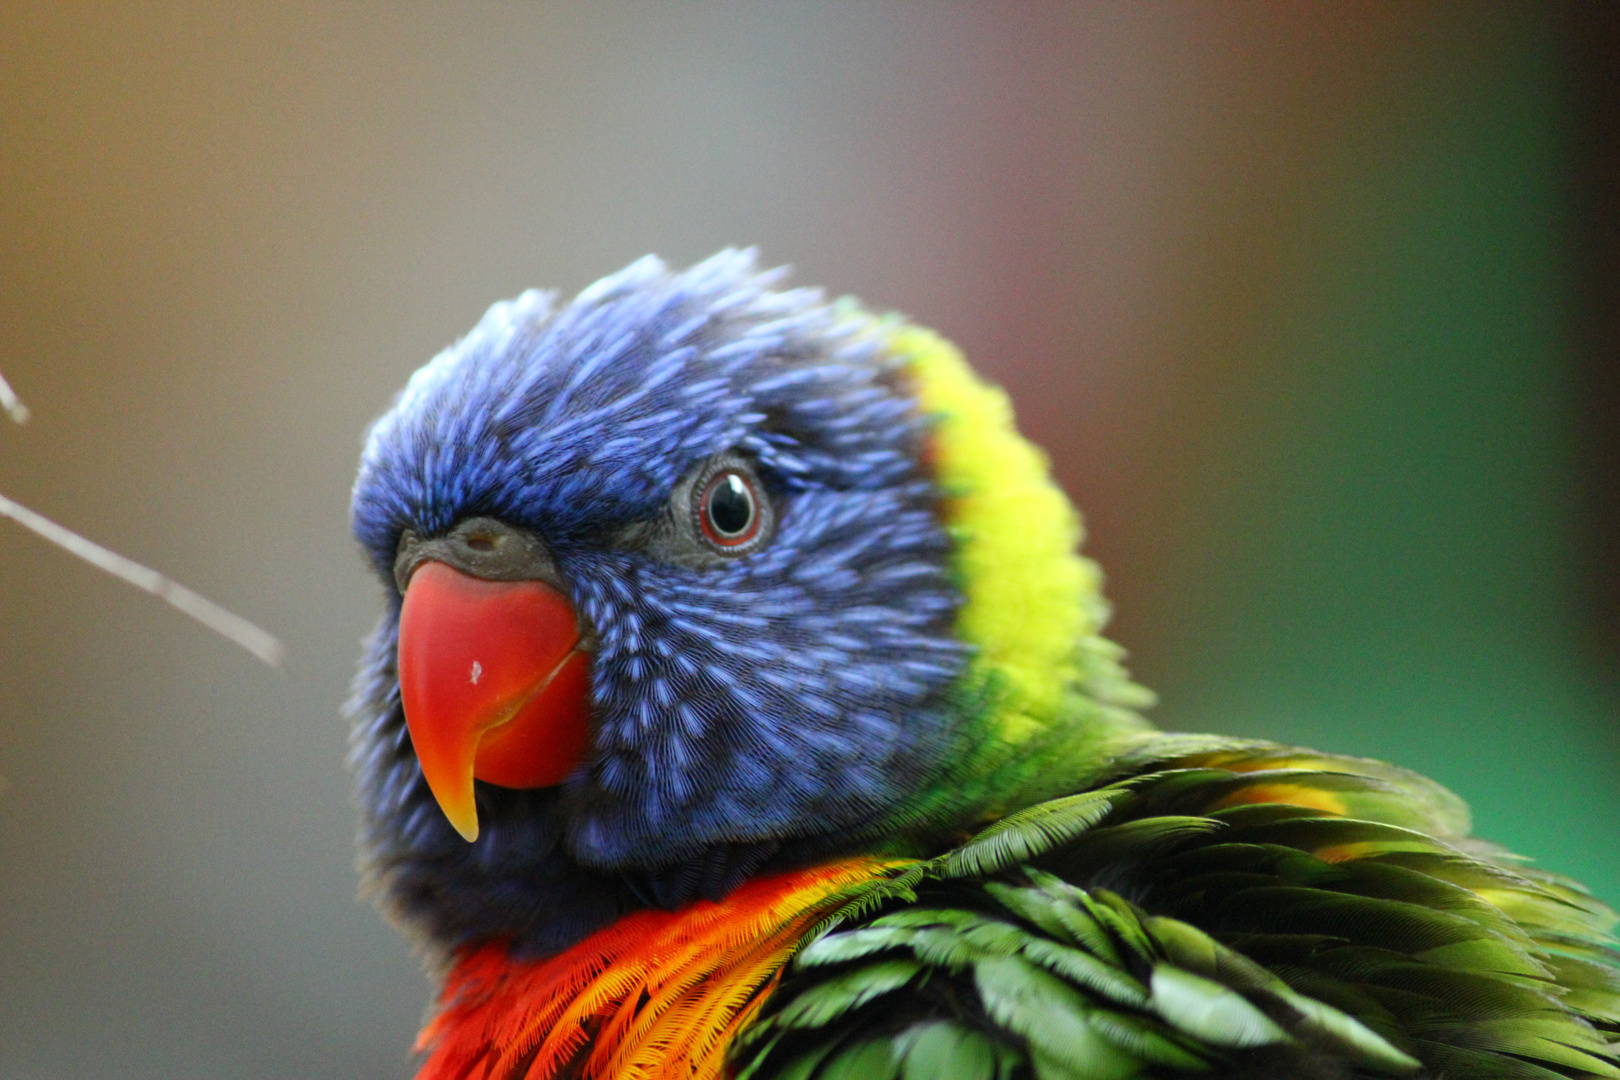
[484,548]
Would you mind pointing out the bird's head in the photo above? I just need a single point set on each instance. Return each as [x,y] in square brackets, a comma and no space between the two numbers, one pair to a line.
[692,574]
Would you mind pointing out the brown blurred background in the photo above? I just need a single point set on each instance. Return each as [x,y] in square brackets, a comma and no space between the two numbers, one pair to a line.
[1313,305]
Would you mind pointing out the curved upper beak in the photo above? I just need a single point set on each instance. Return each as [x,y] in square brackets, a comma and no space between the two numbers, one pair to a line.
[494,684]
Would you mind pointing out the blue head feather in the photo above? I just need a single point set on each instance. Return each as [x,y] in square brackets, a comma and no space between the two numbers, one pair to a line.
[784,698]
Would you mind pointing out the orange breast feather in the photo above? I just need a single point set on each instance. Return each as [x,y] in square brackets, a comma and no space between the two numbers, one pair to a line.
[657,994]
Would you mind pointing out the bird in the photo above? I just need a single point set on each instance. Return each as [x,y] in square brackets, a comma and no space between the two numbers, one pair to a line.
[741,708]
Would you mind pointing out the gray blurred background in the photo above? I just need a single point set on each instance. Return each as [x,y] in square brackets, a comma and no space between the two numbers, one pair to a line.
[1289,291]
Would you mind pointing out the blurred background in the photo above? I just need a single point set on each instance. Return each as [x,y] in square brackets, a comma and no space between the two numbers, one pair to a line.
[1315,307]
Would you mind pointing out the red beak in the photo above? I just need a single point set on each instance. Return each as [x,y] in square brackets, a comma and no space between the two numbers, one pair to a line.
[494,685]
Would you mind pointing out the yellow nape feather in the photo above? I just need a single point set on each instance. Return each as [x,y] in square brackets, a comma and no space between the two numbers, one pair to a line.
[1031,600]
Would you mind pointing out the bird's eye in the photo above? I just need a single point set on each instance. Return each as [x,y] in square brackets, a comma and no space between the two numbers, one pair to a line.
[729,510]
[721,511]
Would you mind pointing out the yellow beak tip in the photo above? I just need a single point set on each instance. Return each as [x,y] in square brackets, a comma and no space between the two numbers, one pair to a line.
[465,823]
[457,803]
[452,789]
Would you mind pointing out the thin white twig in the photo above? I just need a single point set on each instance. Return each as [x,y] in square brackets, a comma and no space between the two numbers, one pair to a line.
[10,402]
[222,622]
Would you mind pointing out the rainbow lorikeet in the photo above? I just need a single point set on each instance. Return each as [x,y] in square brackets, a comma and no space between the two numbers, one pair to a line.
[741,708]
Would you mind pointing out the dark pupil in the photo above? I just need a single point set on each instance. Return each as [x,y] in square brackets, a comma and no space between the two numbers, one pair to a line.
[730,507]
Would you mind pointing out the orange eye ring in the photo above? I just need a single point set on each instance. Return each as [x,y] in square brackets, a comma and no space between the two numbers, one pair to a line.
[729,511]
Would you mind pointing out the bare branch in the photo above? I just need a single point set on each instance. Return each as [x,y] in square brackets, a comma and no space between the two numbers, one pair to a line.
[10,402]
[222,622]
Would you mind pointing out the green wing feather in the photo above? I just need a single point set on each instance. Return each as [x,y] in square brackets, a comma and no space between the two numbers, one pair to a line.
[1215,908]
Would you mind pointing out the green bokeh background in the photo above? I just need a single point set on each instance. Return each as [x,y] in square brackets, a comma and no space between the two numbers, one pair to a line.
[1385,556]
